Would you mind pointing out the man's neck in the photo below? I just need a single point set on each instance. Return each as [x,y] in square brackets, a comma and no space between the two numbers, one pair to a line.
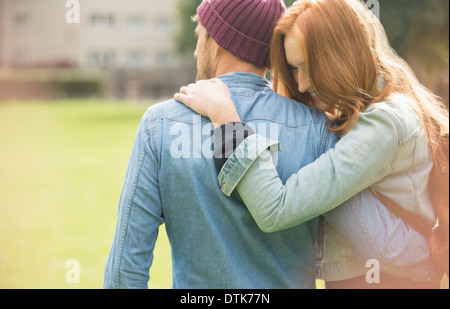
[232,64]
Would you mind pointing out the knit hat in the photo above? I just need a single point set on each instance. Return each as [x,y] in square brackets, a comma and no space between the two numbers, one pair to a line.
[242,27]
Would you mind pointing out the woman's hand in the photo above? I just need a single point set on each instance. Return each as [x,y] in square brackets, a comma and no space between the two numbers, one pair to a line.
[210,98]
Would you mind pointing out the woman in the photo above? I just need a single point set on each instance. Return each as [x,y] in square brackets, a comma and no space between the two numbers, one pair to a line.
[334,55]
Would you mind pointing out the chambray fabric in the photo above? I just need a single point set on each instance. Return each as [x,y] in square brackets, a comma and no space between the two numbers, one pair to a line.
[215,242]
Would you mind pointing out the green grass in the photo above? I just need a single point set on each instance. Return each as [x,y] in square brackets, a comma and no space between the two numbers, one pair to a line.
[62,166]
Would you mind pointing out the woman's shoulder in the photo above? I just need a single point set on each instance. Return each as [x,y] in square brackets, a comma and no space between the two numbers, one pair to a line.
[397,106]
[397,109]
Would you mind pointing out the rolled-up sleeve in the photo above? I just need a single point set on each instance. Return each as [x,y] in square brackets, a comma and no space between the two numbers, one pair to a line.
[243,157]
[226,139]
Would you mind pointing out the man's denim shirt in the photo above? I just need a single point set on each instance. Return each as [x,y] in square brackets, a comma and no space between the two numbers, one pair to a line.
[215,242]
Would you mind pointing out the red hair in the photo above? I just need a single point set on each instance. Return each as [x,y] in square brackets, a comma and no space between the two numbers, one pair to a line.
[350,64]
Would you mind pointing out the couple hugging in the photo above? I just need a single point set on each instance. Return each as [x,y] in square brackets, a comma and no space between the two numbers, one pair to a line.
[352,124]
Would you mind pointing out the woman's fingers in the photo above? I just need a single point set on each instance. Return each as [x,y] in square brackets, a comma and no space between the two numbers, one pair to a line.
[182,97]
[206,97]
[198,85]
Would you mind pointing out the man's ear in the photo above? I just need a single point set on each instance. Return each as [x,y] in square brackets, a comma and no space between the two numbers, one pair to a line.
[218,50]
[216,54]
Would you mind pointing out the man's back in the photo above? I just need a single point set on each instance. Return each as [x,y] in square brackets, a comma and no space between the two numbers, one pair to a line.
[215,241]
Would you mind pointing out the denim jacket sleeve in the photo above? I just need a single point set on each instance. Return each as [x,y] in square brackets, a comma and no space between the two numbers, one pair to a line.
[140,215]
[361,158]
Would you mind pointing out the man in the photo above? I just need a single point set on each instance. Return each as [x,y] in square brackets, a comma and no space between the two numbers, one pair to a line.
[172,177]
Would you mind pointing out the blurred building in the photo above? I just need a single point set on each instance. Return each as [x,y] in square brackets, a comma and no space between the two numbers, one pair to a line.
[128,44]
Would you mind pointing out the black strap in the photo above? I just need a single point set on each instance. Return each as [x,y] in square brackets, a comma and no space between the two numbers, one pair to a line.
[413,220]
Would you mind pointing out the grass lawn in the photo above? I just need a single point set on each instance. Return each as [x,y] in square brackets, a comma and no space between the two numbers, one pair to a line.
[62,166]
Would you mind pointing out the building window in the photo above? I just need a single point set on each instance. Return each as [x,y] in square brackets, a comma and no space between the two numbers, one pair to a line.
[164,60]
[136,25]
[136,60]
[101,59]
[102,22]
[164,26]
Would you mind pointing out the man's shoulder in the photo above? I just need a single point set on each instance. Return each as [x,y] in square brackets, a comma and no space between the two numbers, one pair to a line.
[171,110]
[292,112]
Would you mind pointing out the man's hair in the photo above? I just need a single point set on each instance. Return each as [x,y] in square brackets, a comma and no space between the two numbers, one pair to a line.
[196,19]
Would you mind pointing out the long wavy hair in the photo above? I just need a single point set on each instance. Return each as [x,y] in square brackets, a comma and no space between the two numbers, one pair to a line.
[350,64]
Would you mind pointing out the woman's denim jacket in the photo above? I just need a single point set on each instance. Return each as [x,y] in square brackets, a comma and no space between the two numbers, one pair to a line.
[386,151]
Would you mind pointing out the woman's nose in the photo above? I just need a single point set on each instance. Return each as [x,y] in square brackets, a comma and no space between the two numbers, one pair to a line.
[303,82]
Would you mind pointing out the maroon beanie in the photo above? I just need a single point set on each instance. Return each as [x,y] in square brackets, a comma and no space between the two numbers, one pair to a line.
[242,27]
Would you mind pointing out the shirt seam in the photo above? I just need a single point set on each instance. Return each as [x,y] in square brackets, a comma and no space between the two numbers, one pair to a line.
[124,229]
[152,130]
[367,235]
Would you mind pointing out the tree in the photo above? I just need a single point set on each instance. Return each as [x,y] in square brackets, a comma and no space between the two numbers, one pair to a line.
[185,40]
[418,27]
[419,31]
[289,2]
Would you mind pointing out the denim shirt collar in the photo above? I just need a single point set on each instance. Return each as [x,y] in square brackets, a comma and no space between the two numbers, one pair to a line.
[240,78]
